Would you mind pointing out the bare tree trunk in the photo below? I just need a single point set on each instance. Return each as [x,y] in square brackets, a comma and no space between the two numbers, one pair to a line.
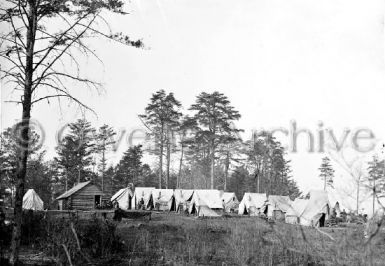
[103,165]
[168,155]
[180,167]
[66,179]
[79,175]
[168,158]
[227,166]
[258,183]
[269,177]
[258,173]
[324,183]
[212,162]
[374,194]
[23,134]
[161,158]
[358,196]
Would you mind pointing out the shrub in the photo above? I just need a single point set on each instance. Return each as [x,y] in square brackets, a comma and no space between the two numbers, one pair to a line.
[71,239]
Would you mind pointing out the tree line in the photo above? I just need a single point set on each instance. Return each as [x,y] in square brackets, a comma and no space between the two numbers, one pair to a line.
[199,149]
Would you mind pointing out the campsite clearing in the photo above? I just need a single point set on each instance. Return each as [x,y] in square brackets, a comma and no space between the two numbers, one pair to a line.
[171,238]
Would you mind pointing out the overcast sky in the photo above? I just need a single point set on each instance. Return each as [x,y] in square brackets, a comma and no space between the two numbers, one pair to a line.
[276,60]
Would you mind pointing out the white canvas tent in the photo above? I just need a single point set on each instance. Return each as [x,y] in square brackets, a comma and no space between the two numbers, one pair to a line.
[144,193]
[337,202]
[251,203]
[117,194]
[124,198]
[206,202]
[32,201]
[162,199]
[181,199]
[276,206]
[317,209]
[295,211]
[346,199]
[230,201]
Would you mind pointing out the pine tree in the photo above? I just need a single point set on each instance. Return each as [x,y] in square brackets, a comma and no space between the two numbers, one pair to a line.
[326,172]
[214,115]
[161,117]
[129,168]
[37,54]
[376,177]
[187,127]
[104,143]
[75,153]
[148,177]
[230,154]
[238,182]
[269,170]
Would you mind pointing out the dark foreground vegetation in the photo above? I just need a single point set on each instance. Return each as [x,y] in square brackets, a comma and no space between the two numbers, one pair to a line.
[171,239]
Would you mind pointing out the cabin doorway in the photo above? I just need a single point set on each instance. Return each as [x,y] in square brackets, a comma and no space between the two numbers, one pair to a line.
[98,199]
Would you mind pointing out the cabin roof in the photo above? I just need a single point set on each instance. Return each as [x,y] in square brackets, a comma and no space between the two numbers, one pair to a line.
[73,190]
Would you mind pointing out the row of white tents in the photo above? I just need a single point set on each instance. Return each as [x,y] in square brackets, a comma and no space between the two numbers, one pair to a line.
[200,202]
[203,202]
[312,211]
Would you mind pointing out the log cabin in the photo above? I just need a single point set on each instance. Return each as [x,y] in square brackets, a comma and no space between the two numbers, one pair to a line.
[84,196]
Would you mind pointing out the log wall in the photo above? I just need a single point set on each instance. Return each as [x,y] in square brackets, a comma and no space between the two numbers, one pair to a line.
[84,199]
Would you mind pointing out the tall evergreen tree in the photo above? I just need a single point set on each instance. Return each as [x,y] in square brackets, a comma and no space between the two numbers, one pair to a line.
[129,168]
[239,181]
[161,117]
[148,177]
[214,115]
[187,127]
[231,153]
[269,170]
[326,172]
[75,153]
[376,178]
[104,142]
[36,52]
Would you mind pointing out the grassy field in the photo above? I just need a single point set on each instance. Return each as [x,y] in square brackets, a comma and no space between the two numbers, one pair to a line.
[176,239]
[172,239]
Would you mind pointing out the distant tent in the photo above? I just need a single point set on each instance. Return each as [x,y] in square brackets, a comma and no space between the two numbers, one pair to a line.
[338,202]
[276,207]
[162,199]
[32,201]
[251,203]
[117,194]
[144,193]
[230,201]
[123,198]
[182,197]
[316,211]
[206,202]
[294,213]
